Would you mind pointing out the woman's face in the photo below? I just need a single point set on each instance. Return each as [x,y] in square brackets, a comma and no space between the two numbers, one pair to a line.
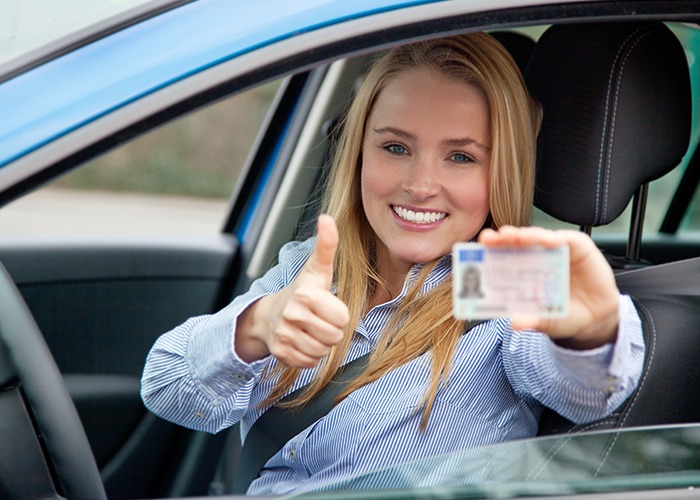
[425,167]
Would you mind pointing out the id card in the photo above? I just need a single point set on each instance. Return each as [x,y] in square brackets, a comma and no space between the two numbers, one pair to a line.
[490,282]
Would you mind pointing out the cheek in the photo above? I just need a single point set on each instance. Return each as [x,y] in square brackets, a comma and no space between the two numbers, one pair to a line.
[374,179]
[472,195]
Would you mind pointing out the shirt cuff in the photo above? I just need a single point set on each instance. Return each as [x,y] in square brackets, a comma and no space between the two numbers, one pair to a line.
[212,359]
[604,367]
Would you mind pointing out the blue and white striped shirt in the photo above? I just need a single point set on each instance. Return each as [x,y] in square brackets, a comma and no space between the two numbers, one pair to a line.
[497,386]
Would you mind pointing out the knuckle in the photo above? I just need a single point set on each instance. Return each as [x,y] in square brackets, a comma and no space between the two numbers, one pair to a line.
[344,316]
[303,294]
[291,314]
[308,363]
[284,337]
[279,353]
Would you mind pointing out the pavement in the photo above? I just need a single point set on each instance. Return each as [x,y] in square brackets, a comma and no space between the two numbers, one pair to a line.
[52,211]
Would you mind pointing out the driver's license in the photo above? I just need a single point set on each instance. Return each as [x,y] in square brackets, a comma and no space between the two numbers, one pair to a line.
[489,282]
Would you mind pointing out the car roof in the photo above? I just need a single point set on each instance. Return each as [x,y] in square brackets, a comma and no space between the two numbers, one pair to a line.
[32,31]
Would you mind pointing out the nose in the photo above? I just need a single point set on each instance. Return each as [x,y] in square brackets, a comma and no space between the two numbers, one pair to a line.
[421,180]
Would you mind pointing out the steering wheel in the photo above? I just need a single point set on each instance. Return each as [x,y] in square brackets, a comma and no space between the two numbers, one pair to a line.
[26,362]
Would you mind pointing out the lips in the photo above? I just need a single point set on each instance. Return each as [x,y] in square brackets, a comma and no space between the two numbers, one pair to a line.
[417,217]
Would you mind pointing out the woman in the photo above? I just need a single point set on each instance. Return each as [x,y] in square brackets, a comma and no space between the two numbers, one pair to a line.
[438,147]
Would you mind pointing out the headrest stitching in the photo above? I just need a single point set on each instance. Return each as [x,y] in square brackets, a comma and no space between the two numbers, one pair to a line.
[611,140]
[605,134]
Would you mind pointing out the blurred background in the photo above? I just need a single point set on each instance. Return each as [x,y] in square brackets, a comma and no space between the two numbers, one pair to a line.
[176,179]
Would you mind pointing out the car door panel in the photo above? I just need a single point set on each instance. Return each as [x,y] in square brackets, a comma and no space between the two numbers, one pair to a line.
[113,299]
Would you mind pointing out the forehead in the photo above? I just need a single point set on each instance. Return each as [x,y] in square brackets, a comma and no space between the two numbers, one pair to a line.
[425,81]
[427,99]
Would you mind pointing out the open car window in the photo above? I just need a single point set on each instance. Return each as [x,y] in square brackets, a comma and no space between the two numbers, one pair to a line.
[177,179]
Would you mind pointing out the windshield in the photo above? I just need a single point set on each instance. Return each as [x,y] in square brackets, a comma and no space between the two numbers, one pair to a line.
[46,26]
[615,460]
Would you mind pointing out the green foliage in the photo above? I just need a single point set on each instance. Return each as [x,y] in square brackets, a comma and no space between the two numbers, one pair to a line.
[198,155]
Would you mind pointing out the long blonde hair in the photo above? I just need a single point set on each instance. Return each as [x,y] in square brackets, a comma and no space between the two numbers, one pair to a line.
[423,322]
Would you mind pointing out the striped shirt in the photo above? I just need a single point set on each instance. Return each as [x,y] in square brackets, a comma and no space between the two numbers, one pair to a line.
[498,384]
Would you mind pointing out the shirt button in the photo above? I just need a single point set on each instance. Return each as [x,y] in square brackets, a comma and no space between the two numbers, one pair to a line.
[612,387]
[238,376]
[199,414]
[293,454]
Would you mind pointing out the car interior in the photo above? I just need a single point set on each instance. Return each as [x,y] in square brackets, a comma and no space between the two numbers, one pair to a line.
[589,170]
[617,99]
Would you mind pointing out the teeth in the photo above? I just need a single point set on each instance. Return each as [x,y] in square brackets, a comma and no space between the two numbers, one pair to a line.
[419,217]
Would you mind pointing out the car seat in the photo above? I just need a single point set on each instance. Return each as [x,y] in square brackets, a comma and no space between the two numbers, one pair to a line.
[617,115]
[519,45]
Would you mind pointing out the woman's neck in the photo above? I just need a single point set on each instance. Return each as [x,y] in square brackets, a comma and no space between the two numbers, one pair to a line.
[393,275]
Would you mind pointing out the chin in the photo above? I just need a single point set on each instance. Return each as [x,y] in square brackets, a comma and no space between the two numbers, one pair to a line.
[424,257]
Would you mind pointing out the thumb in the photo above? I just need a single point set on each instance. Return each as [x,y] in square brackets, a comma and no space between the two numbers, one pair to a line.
[323,256]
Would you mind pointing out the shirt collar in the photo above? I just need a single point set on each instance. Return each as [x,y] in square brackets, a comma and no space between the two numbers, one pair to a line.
[437,276]
[439,273]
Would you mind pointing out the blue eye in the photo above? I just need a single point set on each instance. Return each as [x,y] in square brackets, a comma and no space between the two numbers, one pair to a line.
[461,158]
[396,149]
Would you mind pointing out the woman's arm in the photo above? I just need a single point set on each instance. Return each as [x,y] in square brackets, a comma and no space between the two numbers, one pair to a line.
[589,362]
[193,375]
[581,385]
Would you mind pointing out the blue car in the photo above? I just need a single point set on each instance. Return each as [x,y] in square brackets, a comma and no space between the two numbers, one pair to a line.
[235,105]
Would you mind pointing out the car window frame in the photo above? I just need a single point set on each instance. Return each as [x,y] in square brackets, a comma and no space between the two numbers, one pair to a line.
[84,35]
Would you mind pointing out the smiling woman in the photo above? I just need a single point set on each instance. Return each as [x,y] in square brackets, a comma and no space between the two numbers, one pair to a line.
[424,134]
[116,69]
[415,146]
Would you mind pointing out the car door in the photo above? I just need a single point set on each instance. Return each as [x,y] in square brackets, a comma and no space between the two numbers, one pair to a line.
[102,296]
[101,300]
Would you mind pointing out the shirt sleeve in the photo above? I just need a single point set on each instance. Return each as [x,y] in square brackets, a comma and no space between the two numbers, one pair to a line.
[193,376]
[581,385]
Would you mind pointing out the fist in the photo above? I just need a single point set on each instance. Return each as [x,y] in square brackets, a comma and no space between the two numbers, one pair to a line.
[300,324]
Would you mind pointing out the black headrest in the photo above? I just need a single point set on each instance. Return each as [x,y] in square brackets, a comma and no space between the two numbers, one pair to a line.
[617,113]
[518,45]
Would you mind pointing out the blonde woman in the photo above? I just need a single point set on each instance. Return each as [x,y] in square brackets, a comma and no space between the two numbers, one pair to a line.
[438,147]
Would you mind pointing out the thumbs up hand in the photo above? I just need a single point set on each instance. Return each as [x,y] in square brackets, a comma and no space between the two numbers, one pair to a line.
[301,323]
[319,267]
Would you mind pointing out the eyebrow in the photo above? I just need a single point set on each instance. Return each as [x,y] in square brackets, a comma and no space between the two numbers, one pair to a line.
[465,141]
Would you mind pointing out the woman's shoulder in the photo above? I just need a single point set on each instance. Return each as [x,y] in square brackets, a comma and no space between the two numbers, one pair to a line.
[296,248]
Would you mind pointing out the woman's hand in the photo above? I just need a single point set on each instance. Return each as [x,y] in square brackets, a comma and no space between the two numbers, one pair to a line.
[593,303]
[300,324]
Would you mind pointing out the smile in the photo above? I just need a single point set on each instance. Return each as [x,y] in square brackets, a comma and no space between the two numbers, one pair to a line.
[418,217]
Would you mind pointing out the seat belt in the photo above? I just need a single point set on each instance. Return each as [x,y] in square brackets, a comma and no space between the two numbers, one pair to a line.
[278,425]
